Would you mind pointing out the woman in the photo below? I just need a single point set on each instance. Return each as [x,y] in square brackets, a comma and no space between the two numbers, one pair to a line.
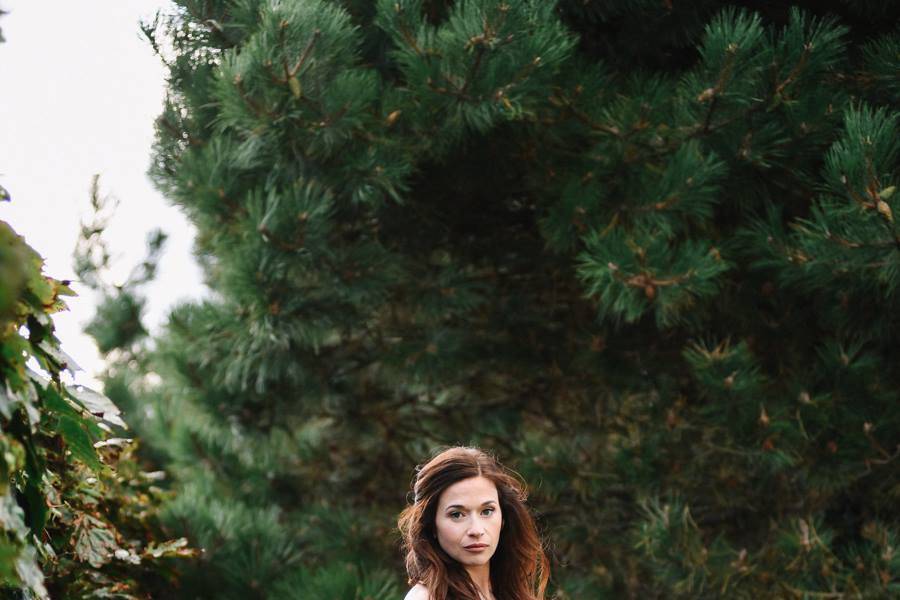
[468,534]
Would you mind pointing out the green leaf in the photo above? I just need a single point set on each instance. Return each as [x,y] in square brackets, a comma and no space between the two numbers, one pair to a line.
[51,348]
[177,547]
[79,441]
[8,553]
[12,518]
[97,404]
[30,573]
[55,402]
[27,397]
[62,287]
[12,458]
[7,402]
[94,542]
[39,285]
[35,468]
[22,561]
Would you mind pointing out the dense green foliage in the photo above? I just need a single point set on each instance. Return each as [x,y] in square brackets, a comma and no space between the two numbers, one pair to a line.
[76,511]
[645,251]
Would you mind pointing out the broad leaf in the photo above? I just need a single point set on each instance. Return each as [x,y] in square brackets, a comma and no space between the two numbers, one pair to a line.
[94,542]
[78,440]
[97,404]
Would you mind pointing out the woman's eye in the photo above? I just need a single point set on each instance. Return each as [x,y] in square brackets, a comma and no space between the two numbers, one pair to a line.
[455,515]
[488,511]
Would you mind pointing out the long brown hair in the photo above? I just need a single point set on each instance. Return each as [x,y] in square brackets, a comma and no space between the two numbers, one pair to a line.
[519,567]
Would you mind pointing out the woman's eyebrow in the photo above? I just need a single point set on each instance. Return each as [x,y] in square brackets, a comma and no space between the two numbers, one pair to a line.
[485,503]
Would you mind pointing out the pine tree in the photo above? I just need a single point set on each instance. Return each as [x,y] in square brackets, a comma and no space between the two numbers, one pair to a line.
[645,251]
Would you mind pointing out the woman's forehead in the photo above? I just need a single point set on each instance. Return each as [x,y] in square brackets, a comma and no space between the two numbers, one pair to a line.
[470,492]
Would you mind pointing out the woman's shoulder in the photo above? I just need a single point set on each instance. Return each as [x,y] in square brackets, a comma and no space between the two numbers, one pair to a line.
[418,592]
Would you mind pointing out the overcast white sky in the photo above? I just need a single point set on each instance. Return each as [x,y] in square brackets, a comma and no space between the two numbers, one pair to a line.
[79,91]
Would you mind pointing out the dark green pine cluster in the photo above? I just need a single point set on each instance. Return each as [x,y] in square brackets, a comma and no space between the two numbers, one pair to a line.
[645,251]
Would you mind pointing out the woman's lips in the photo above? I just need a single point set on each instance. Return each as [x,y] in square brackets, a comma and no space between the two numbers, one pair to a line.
[476,547]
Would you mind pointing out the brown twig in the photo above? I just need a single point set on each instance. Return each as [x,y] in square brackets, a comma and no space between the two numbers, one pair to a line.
[304,55]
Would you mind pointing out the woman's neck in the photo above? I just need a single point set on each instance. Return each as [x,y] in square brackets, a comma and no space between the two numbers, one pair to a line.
[481,577]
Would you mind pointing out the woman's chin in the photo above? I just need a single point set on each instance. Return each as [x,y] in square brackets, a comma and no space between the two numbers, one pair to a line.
[476,560]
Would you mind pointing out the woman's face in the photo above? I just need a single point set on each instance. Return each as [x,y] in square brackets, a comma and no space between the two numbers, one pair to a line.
[468,521]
